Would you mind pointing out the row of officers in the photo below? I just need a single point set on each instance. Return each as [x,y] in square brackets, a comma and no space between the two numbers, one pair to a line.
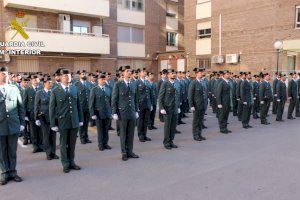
[40,106]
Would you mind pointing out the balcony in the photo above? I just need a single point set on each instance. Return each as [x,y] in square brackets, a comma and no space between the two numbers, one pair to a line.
[91,8]
[62,42]
[171,23]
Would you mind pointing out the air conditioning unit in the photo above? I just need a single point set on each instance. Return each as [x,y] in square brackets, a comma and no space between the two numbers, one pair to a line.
[232,58]
[218,59]
[64,22]
[97,30]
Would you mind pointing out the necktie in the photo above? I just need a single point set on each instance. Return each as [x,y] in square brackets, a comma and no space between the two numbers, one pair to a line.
[67,89]
[3,91]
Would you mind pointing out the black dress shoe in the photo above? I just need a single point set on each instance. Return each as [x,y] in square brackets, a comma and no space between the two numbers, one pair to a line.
[178,132]
[55,157]
[88,141]
[37,150]
[202,138]
[229,131]
[153,127]
[49,158]
[83,142]
[3,181]
[150,128]
[75,167]
[107,147]
[66,170]
[132,155]
[250,126]
[148,139]
[224,131]
[245,127]
[168,147]
[181,122]
[198,139]
[174,146]
[17,179]
[124,157]
[204,127]
[111,129]
[101,148]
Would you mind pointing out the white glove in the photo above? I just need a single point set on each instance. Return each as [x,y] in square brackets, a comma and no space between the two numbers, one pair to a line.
[151,108]
[254,98]
[22,128]
[115,117]
[245,103]
[278,100]
[80,123]
[26,119]
[238,99]
[262,102]
[54,129]
[193,109]
[163,111]
[136,115]
[220,106]
[94,117]
[290,98]
[38,123]
[275,95]
[179,110]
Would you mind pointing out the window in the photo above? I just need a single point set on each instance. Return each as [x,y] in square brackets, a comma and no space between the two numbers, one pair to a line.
[171,39]
[204,33]
[297,17]
[204,63]
[81,27]
[130,34]
[137,5]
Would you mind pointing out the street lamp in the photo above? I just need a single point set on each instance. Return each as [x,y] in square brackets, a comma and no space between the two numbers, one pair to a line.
[278,46]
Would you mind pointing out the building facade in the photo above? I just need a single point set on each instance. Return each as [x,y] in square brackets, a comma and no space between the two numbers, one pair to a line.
[240,35]
[91,35]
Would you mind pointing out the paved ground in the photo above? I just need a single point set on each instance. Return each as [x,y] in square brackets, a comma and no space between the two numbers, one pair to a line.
[258,164]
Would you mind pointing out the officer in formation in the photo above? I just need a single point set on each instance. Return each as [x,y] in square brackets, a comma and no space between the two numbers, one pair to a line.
[12,122]
[65,103]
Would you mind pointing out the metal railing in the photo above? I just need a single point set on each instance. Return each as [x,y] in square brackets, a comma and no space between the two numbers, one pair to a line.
[41,30]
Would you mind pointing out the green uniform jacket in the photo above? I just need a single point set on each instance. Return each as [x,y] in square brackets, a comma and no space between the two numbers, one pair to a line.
[169,98]
[65,107]
[196,95]
[12,112]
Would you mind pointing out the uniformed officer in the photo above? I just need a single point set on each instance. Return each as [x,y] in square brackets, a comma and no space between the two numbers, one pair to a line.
[275,102]
[234,97]
[293,95]
[124,109]
[197,104]
[109,83]
[256,103]
[265,98]
[223,102]
[100,110]
[169,102]
[84,88]
[298,103]
[41,115]
[163,77]
[238,95]
[281,97]
[11,123]
[65,106]
[29,97]
[153,87]
[144,102]
[247,99]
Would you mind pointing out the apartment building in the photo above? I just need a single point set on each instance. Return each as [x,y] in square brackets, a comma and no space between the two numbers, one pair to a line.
[240,35]
[91,35]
